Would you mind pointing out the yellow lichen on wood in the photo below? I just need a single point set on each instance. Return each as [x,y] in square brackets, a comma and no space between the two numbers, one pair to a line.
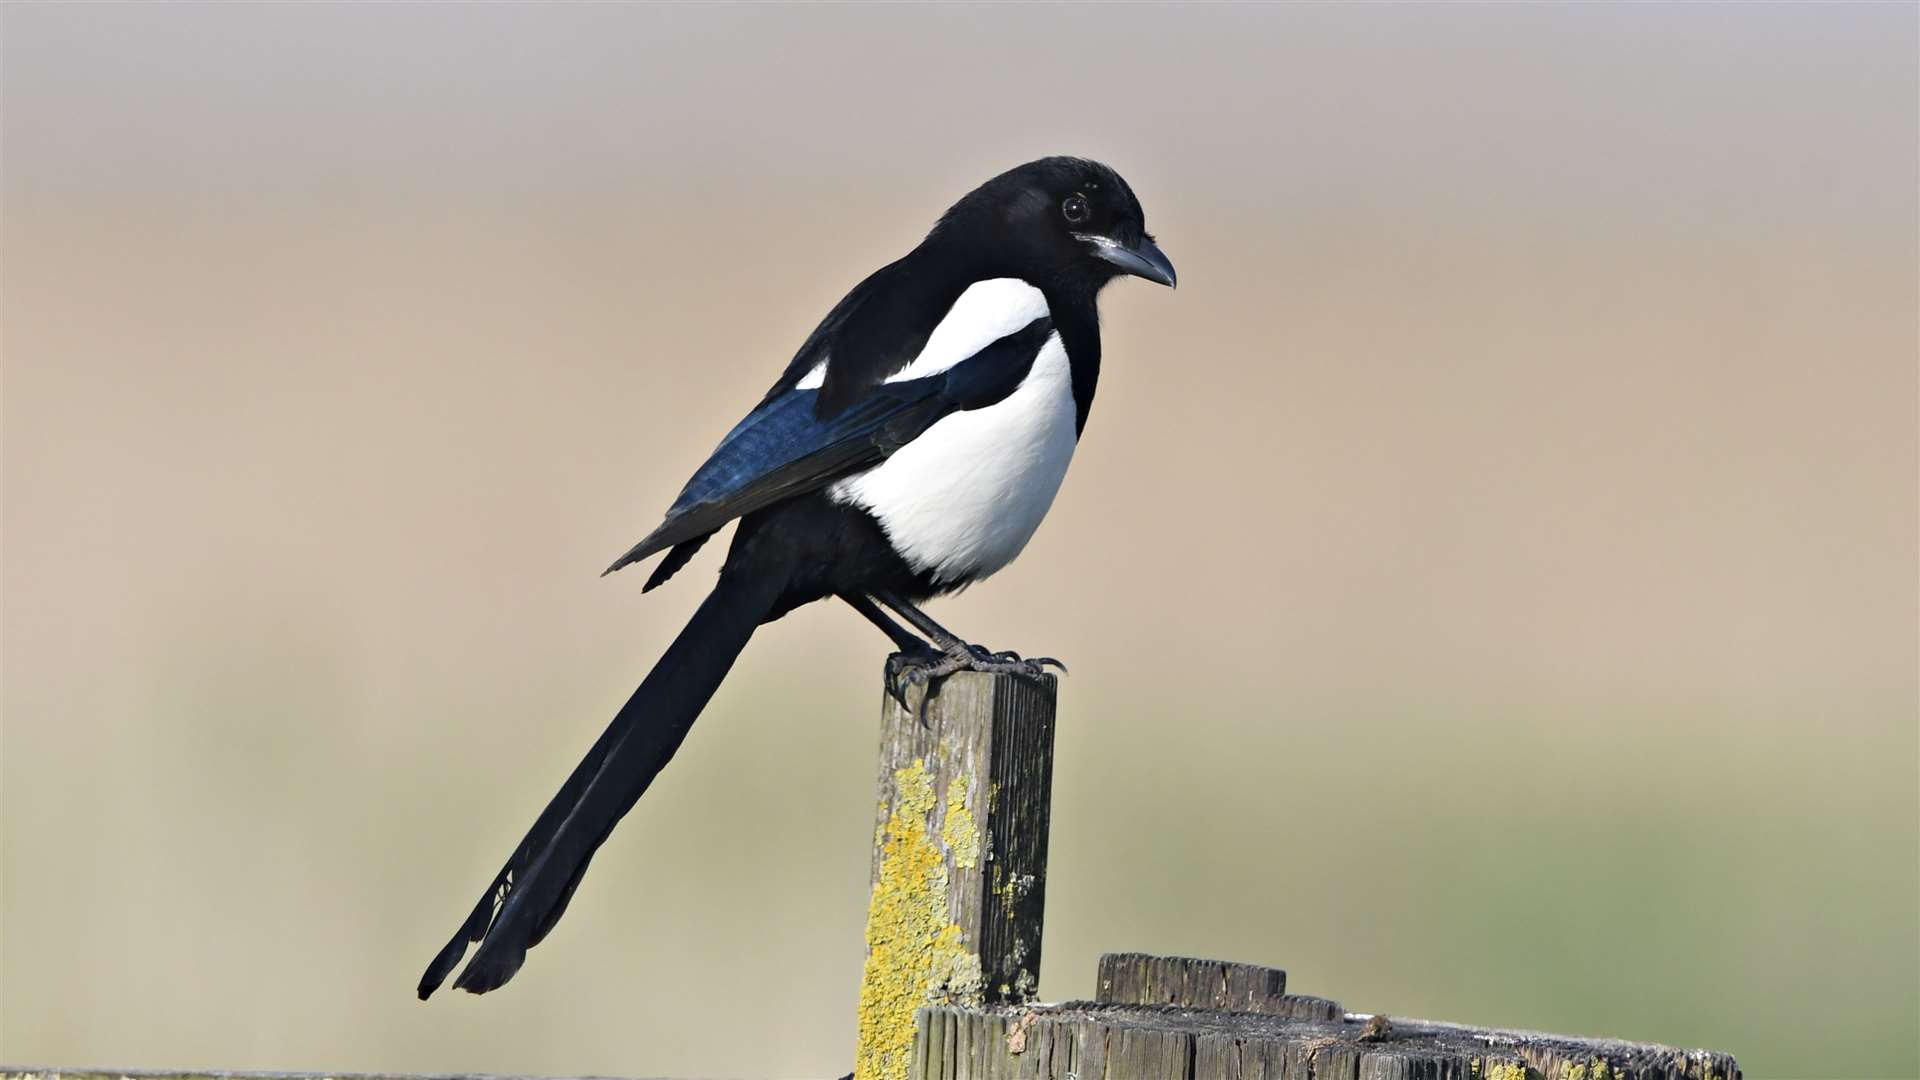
[1499,1069]
[916,954]
[960,833]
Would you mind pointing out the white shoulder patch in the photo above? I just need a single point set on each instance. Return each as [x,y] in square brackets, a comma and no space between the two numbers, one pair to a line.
[985,313]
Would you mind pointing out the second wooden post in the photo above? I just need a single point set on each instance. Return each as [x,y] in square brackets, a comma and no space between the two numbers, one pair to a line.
[960,857]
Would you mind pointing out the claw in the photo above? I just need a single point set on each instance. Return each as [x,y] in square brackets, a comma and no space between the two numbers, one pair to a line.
[905,671]
[926,669]
[897,689]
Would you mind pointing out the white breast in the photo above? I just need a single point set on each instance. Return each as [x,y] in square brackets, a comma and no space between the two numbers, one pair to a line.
[963,499]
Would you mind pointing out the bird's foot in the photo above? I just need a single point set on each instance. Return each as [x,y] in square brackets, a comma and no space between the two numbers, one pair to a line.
[1009,662]
[905,668]
[926,667]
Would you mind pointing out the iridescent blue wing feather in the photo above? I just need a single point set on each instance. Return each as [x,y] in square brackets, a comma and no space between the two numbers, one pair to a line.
[784,448]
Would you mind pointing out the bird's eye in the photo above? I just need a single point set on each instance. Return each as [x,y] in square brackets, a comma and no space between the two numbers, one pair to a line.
[1075,209]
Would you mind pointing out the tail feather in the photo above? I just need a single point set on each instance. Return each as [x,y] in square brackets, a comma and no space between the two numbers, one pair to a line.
[532,891]
[677,556]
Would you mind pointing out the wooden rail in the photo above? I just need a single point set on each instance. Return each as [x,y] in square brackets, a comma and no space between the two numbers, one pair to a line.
[953,951]
[1172,1018]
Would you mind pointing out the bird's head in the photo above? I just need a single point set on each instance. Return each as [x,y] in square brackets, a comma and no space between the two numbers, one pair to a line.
[1062,221]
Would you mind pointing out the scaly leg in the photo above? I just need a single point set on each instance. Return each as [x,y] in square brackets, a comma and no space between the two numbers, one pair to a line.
[903,638]
[912,651]
[954,653]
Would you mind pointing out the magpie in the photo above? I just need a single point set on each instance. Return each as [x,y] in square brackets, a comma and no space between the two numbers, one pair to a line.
[910,449]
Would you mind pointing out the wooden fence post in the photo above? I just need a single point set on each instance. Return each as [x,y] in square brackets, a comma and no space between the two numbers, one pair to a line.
[960,857]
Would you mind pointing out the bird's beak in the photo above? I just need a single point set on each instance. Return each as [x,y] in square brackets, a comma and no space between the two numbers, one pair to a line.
[1144,259]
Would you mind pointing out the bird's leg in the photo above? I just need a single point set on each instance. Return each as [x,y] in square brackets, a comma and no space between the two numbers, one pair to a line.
[955,653]
[903,638]
[913,651]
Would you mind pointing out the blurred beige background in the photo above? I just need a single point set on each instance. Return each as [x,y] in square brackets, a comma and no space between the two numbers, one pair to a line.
[1489,580]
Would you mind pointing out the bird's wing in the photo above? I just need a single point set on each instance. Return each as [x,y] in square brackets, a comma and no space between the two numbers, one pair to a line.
[785,448]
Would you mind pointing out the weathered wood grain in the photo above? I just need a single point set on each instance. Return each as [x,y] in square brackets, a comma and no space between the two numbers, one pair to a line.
[1179,1018]
[959,868]
[1140,979]
[1160,1042]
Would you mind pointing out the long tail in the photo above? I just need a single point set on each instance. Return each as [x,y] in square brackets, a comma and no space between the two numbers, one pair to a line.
[532,890]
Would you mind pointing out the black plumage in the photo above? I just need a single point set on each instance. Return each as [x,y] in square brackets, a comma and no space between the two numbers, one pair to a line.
[872,470]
